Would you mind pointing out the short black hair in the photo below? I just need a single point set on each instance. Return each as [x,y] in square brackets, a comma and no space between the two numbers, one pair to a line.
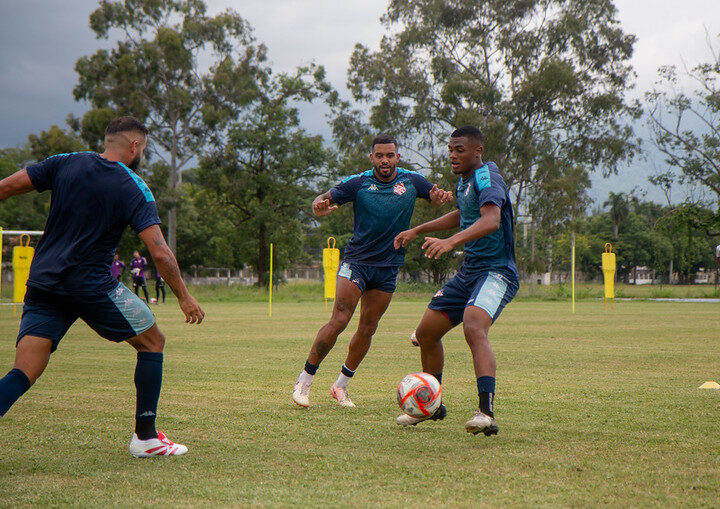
[383,139]
[124,125]
[469,131]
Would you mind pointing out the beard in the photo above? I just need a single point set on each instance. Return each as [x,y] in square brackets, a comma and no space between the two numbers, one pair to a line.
[135,163]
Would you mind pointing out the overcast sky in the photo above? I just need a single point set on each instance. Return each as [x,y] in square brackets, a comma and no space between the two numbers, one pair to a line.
[40,41]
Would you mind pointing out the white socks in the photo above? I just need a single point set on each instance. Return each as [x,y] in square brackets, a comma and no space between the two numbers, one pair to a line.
[305,377]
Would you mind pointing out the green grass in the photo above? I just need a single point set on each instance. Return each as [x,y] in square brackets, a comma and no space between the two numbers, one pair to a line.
[596,408]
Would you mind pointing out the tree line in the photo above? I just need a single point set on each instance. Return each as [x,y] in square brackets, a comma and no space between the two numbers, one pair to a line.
[233,168]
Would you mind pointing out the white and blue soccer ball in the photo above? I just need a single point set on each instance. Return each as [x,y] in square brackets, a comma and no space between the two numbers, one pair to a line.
[419,394]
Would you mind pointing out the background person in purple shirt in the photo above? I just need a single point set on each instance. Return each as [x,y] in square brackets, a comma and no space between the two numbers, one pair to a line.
[137,264]
[117,268]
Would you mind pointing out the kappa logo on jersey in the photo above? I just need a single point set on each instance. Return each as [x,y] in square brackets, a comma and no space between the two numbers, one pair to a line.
[373,188]
[399,189]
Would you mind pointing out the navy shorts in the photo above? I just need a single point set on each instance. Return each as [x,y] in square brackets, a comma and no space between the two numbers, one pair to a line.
[117,315]
[488,290]
[369,277]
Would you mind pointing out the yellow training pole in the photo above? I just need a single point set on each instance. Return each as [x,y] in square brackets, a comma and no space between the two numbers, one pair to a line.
[271,281]
[572,270]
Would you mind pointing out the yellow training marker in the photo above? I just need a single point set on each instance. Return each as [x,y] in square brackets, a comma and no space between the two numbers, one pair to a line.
[331,264]
[710,385]
[608,268]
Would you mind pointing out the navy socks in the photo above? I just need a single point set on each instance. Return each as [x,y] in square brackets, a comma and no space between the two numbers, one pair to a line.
[12,386]
[148,380]
[486,394]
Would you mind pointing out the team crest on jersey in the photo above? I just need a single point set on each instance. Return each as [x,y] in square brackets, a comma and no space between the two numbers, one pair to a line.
[439,293]
[467,191]
[399,189]
[373,187]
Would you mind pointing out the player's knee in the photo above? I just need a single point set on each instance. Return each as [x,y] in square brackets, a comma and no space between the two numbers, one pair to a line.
[149,341]
[339,321]
[367,329]
[475,333]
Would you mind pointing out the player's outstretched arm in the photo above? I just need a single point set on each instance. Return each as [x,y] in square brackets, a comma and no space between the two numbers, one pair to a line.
[17,183]
[489,222]
[323,205]
[447,222]
[439,196]
[168,268]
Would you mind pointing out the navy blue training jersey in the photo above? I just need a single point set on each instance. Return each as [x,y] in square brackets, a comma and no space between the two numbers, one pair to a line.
[497,250]
[93,200]
[382,210]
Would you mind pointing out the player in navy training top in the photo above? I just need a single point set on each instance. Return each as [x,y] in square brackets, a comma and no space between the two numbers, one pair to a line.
[487,280]
[94,198]
[383,201]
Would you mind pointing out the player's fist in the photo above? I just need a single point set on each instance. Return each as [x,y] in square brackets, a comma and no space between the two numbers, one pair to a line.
[192,310]
[439,196]
[404,238]
[323,208]
[435,247]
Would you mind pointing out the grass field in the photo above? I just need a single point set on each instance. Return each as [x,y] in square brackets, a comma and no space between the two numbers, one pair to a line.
[596,408]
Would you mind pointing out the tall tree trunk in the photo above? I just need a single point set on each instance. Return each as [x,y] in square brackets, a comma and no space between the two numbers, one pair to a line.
[532,254]
[174,186]
[615,231]
[670,274]
[263,253]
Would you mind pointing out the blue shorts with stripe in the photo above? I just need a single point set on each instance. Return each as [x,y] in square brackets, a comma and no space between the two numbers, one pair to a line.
[489,290]
[370,277]
[117,315]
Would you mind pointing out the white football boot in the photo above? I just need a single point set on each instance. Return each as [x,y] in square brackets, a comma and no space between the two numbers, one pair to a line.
[160,446]
[409,420]
[301,394]
[342,396]
[482,423]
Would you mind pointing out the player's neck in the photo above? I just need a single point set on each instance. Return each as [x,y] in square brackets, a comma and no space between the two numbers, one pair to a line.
[112,156]
[384,179]
[470,173]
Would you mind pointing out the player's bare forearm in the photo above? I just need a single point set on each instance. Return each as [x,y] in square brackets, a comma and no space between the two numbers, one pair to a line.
[17,183]
[164,260]
[168,268]
[488,223]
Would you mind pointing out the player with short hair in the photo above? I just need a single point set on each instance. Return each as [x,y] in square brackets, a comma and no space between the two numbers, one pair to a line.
[484,284]
[383,201]
[137,268]
[117,267]
[94,198]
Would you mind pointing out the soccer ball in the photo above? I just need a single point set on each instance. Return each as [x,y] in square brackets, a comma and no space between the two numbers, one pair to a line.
[419,394]
[153,300]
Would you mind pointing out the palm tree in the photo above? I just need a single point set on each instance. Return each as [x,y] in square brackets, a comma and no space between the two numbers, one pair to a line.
[619,210]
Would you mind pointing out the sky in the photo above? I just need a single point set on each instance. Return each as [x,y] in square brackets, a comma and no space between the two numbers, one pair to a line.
[40,41]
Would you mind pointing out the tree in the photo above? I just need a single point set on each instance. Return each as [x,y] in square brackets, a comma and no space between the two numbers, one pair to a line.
[619,210]
[155,73]
[264,175]
[545,79]
[685,126]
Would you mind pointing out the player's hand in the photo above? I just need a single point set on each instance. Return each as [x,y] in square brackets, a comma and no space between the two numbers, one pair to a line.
[439,196]
[435,247]
[191,308]
[404,238]
[323,208]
